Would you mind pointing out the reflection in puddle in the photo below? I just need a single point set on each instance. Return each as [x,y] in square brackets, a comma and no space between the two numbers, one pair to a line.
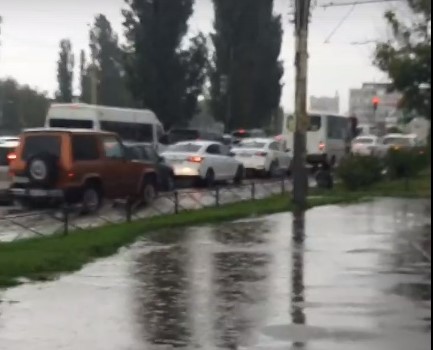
[162,297]
[298,288]
[253,285]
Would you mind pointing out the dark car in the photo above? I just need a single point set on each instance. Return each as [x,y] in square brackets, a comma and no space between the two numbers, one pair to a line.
[190,134]
[239,135]
[147,154]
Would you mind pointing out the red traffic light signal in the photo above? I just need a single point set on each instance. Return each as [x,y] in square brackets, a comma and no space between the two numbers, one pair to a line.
[376,102]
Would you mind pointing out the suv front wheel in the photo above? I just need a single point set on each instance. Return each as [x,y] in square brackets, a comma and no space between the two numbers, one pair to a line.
[91,200]
[148,192]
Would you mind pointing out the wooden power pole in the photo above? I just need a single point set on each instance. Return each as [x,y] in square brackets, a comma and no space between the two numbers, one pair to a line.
[300,174]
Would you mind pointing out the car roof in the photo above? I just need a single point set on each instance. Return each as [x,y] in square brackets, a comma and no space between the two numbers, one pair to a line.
[366,137]
[395,135]
[259,139]
[202,143]
[65,130]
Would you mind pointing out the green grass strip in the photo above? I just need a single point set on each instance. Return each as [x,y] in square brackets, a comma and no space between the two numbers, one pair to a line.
[44,258]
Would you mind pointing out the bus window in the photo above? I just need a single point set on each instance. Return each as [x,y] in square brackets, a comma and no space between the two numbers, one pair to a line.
[315,123]
[130,131]
[338,127]
[71,124]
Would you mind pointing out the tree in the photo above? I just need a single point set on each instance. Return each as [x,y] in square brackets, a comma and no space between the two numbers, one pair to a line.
[162,76]
[246,72]
[407,57]
[22,106]
[85,95]
[107,57]
[65,72]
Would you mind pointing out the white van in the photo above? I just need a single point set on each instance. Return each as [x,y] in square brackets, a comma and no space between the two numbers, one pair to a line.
[328,137]
[133,125]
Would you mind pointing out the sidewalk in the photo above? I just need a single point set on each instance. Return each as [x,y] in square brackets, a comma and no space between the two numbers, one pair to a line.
[355,282]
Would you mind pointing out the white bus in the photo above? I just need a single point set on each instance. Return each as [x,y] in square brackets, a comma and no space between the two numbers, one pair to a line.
[328,137]
[133,125]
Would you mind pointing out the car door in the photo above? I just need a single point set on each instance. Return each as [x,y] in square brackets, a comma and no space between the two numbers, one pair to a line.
[128,172]
[115,175]
[214,160]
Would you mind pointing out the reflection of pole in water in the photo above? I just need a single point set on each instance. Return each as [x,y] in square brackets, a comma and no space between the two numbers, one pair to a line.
[298,288]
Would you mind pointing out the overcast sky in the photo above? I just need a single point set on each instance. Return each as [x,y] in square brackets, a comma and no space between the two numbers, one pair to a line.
[31,31]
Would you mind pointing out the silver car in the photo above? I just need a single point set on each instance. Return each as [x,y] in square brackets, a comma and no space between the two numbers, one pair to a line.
[7,148]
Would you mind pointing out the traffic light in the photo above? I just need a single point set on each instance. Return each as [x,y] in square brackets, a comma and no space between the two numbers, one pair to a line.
[376,102]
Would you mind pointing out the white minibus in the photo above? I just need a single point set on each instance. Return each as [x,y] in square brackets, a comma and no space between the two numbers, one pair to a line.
[132,125]
[328,137]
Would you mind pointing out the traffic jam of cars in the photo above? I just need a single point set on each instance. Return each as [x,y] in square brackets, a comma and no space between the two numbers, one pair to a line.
[85,161]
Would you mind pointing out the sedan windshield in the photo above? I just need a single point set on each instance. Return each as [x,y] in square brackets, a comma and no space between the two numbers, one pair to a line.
[184,147]
[364,141]
[252,144]
[398,141]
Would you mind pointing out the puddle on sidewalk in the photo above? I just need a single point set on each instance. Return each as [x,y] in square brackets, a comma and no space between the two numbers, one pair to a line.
[350,279]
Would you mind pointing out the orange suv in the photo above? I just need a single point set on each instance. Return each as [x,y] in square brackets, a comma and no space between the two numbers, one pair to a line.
[78,166]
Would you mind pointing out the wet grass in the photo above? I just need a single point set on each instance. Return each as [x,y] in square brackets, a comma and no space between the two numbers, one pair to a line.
[40,259]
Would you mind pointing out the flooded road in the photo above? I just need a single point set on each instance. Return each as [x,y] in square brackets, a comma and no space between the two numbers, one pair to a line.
[357,277]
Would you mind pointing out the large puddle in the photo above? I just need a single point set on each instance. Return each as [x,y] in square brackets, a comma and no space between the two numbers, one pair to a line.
[358,278]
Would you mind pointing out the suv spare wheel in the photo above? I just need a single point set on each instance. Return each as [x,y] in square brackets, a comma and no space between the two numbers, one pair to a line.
[42,169]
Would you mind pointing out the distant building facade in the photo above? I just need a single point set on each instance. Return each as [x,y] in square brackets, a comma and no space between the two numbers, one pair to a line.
[361,105]
[325,104]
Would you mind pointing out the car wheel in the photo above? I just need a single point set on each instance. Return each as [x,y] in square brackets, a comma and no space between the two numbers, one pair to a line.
[273,170]
[240,174]
[149,192]
[171,183]
[91,200]
[209,180]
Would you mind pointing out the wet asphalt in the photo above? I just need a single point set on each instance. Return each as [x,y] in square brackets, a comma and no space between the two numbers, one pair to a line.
[342,278]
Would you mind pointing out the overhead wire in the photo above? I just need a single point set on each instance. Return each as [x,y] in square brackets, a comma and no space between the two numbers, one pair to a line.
[340,23]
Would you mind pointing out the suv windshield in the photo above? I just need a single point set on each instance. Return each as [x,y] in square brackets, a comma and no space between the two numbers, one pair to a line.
[37,144]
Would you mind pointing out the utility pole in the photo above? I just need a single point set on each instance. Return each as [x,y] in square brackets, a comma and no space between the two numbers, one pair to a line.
[300,175]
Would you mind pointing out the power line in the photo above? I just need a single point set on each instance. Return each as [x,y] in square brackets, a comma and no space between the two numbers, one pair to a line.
[346,16]
[350,3]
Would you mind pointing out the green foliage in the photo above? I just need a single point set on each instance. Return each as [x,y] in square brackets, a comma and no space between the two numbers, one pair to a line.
[359,172]
[162,75]
[108,66]
[85,83]
[246,74]
[406,163]
[65,72]
[407,58]
[21,106]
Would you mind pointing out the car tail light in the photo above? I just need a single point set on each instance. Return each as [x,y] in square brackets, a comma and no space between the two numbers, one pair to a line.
[321,146]
[11,157]
[261,154]
[195,159]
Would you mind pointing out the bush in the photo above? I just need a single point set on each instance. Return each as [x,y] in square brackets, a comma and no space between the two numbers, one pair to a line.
[357,172]
[405,163]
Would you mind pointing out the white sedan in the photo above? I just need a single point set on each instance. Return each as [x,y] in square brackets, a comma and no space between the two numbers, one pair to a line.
[206,161]
[262,155]
[365,145]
